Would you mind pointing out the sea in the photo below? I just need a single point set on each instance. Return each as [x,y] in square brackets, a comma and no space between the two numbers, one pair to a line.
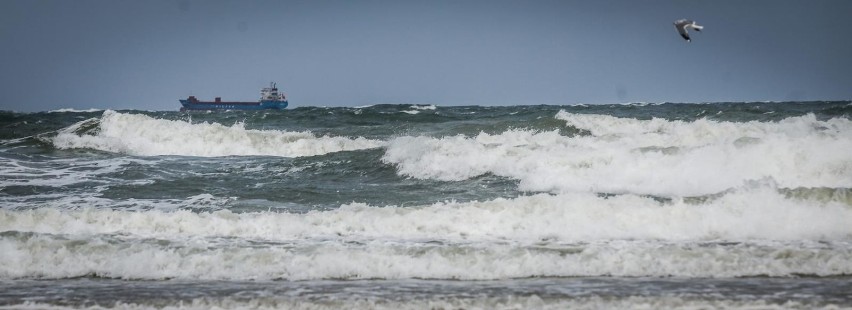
[735,205]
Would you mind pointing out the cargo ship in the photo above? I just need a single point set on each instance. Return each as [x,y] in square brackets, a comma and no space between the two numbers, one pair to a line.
[270,98]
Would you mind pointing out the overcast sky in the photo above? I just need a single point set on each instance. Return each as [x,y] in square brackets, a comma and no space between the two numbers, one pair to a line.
[146,55]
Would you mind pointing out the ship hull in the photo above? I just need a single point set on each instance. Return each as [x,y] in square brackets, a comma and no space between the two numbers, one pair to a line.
[224,105]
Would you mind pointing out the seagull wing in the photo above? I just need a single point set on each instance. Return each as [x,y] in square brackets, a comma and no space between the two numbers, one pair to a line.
[680,25]
[696,26]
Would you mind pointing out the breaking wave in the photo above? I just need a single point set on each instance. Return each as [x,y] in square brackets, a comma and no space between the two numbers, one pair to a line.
[748,233]
[657,157]
[141,135]
[576,217]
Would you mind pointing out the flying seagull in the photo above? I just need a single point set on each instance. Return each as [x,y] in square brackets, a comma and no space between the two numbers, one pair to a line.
[681,26]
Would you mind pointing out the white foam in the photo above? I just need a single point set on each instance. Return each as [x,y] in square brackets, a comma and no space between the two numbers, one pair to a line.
[659,157]
[424,107]
[51,257]
[57,172]
[142,135]
[467,302]
[417,108]
[94,200]
[747,233]
[762,214]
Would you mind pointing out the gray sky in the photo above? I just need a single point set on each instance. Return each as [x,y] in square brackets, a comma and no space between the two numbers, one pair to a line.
[146,55]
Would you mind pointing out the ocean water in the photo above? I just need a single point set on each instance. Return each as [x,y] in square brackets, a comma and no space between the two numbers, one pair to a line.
[688,206]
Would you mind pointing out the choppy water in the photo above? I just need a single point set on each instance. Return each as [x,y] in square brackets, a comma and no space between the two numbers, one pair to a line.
[724,205]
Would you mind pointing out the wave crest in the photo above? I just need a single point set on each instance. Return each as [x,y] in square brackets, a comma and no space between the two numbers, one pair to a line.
[656,157]
[579,217]
[141,135]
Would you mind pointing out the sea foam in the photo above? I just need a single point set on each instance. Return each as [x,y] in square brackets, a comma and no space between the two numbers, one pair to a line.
[465,302]
[51,256]
[762,213]
[657,156]
[142,135]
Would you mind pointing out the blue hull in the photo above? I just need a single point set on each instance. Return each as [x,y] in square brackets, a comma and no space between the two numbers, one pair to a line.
[206,105]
